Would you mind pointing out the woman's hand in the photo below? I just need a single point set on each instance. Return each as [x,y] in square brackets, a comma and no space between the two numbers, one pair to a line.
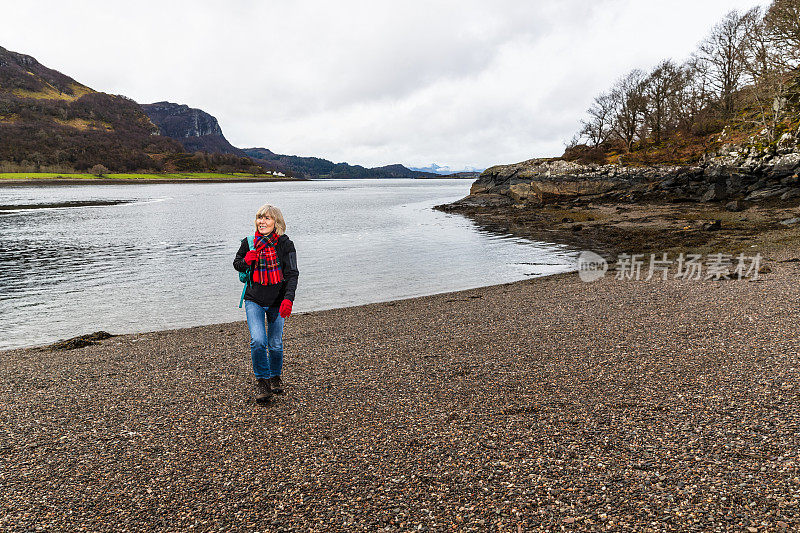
[286,308]
[250,256]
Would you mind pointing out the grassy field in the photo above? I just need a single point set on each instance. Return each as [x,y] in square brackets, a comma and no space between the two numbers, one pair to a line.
[169,176]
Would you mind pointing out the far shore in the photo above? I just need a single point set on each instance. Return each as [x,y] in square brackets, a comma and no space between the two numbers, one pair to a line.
[53,178]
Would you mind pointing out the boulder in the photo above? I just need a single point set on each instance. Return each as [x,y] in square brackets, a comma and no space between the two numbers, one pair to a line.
[763,194]
[714,193]
[735,205]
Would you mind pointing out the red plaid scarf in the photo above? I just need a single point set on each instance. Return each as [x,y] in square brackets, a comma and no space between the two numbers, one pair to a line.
[267,268]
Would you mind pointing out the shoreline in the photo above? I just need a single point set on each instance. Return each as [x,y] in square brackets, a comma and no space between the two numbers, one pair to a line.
[147,181]
[611,228]
[540,404]
[41,347]
[129,181]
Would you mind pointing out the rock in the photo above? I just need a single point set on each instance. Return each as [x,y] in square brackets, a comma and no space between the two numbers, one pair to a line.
[479,200]
[786,142]
[577,227]
[790,221]
[545,181]
[785,164]
[794,192]
[763,194]
[731,171]
[714,193]
[712,226]
[735,205]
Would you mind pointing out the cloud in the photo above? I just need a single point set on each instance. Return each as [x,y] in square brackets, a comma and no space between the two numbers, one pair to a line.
[373,83]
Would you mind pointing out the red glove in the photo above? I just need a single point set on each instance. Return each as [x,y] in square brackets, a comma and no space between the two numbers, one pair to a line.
[250,256]
[285,309]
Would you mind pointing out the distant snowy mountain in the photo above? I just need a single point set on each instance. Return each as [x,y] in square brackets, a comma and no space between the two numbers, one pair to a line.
[446,171]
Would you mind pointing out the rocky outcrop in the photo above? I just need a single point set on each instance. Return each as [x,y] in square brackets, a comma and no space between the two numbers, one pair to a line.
[195,129]
[732,175]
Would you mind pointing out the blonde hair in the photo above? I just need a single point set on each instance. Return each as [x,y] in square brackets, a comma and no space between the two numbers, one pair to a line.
[275,214]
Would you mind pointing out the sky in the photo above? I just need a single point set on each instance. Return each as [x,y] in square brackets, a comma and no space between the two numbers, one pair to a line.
[466,84]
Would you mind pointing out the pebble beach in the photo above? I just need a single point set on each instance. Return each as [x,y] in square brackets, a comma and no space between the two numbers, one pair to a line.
[544,405]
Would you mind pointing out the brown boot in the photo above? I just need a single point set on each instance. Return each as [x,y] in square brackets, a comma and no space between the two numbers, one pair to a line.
[263,390]
[275,383]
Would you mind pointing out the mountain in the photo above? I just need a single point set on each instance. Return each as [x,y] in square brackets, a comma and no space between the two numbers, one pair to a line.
[48,119]
[447,171]
[22,76]
[195,129]
[49,122]
[315,167]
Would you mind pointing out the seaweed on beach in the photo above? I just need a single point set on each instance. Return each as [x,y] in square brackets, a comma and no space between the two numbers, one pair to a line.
[80,341]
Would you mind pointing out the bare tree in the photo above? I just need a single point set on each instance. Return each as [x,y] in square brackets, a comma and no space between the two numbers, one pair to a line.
[722,56]
[630,105]
[782,23]
[663,90]
[598,128]
[766,68]
[697,93]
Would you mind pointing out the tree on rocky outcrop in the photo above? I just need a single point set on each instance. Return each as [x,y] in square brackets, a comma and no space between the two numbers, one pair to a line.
[597,129]
[767,79]
[697,96]
[663,90]
[722,56]
[744,78]
[782,24]
[630,105]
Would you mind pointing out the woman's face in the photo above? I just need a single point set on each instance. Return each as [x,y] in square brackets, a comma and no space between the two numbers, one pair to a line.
[265,224]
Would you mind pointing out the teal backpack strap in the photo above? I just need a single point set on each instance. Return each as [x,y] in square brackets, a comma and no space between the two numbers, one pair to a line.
[241,300]
[250,245]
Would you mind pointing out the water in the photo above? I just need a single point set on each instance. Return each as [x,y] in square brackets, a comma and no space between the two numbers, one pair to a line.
[160,256]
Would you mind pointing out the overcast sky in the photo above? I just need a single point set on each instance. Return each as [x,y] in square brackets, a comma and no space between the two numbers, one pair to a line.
[463,84]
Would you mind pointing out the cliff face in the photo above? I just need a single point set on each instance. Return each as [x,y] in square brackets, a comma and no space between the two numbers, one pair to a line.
[195,129]
[732,173]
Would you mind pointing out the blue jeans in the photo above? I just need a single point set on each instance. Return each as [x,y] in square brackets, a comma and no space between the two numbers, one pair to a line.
[263,341]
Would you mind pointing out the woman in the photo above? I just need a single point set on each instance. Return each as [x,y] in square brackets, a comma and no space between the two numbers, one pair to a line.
[269,295]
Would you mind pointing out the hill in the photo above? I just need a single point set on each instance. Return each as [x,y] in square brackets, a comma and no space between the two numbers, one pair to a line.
[48,119]
[315,167]
[49,122]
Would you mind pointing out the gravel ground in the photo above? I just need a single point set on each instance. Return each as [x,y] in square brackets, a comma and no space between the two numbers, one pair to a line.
[549,404]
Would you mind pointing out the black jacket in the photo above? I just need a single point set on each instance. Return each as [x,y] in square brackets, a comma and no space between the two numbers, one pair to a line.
[272,295]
